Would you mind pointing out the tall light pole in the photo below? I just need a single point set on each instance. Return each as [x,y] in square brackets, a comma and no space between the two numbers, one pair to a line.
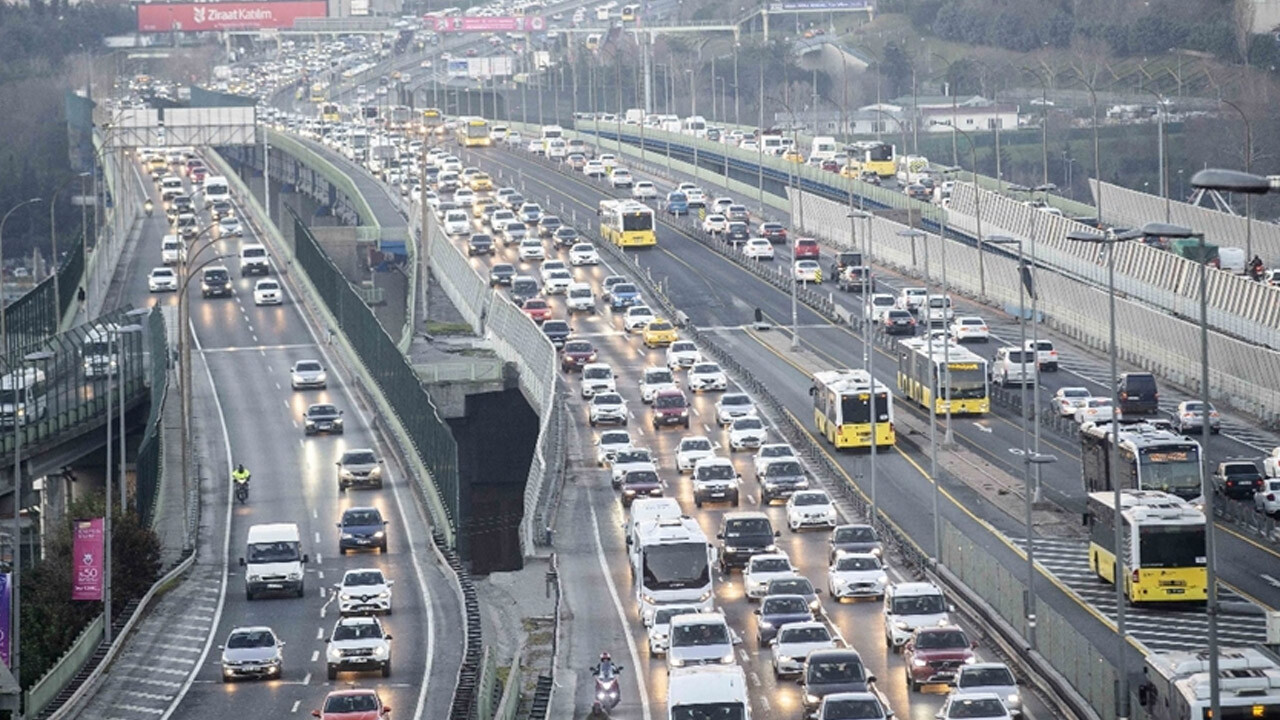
[122,354]
[20,374]
[1097,157]
[1248,168]
[913,234]
[53,242]
[1044,122]
[4,330]
[955,114]
[1110,240]
[868,353]
[795,316]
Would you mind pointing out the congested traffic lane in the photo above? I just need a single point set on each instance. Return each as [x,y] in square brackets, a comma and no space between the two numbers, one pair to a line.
[692,269]
[249,350]
[860,624]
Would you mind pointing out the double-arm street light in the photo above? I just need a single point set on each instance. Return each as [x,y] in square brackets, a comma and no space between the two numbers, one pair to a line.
[1097,157]
[868,352]
[4,330]
[1248,168]
[1162,104]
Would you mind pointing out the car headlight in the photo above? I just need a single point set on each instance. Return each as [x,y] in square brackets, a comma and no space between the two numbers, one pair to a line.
[677,662]
[918,662]
[876,551]
[647,599]
[902,625]
[295,575]
[765,625]
[384,595]
[970,660]
[727,659]
[811,699]
[770,548]
[346,475]
[784,658]
[379,534]
[883,579]
[346,536]
[1013,699]
[684,413]
[381,652]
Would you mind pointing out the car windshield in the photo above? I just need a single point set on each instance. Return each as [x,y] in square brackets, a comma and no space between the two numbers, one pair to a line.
[703,633]
[361,517]
[359,457]
[555,326]
[535,304]
[738,400]
[308,367]
[716,471]
[791,586]
[812,499]
[641,477]
[658,377]
[988,676]
[607,399]
[942,639]
[748,527]
[857,563]
[625,289]
[615,438]
[832,671]
[578,347]
[776,469]
[598,373]
[852,709]
[855,535]
[767,565]
[363,577]
[664,615]
[251,639]
[636,312]
[674,400]
[698,444]
[803,635]
[748,423]
[322,410]
[633,456]
[706,368]
[680,347]
[357,631]
[659,326]
[1075,392]
[977,708]
[918,605]
[784,605]
[273,552]
[773,451]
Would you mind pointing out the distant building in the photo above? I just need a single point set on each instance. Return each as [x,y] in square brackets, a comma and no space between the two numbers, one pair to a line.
[933,113]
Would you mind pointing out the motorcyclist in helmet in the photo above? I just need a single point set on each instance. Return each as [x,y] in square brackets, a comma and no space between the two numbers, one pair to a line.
[240,474]
[598,712]
[1256,268]
[606,669]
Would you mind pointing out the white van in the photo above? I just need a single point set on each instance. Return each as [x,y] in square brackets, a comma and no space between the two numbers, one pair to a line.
[708,691]
[273,560]
[822,148]
[1232,259]
[1012,366]
[650,510]
[254,260]
[772,144]
[216,188]
[171,250]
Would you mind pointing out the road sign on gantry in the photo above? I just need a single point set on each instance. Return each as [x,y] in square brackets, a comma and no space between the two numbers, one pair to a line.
[506,23]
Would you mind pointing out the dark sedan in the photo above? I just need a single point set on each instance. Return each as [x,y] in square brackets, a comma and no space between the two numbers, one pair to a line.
[576,354]
[737,232]
[557,331]
[362,528]
[566,236]
[502,274]
[322,418]
[773,232]
[480,244]
[827,672]
[854,539]
[777,610]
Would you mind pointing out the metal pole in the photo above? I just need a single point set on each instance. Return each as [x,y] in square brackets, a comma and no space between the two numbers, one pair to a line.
[760,146]
[4,329]
[1026,457]
[948,437]
[933,424]
[1113,465]
[1211,569]
[266,174]
[870,356]
[106,515]
[15,584]
[736,120]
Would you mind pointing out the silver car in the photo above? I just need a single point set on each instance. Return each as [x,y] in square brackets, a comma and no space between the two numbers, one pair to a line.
[991,678]
[359,466]
[702,639]
[308,374]
[252,652]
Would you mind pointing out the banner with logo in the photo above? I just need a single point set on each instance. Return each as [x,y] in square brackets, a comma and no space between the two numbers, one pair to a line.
[503,23]
[200,17]
[4,618]
[86,560]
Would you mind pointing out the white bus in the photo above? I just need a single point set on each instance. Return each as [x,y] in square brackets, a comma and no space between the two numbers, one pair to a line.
[602,11]
[100,356]
[216,188]
[671,563]
[694,125]
[1176,685]
[549,133]
[22,396]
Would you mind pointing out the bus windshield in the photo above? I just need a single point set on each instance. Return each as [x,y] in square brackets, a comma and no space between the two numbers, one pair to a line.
[677,566]
[1175,471]
[636,221]
[854,408]
[880,153]
[968,380]
[1171,546]
[478,130]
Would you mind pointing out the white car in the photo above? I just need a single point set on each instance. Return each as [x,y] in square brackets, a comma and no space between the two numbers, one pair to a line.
[580,296]
[1267,500]
[308,374]
[794,643]
[682,354]
[1094,409]
[162,279]
[531,249]
[457,222]
[501,218]
[583,254]
[607,407]
[1069,399]
[979,705]
[464,196]
[358,644]
[855,575]
[608,445]
[620,178]
[230,227]
[911,298]
[731,406]
[810,508]
[597,378]
[714,223]
[758,248]
[558,282]
[535,146]
[970,327]
[660,630]
[268,292]
[172,252]
[628,459]
[593,169]
[807,271]
[990,677]
[653,380]
[644,190]
[761,569]
[701,639]
[693,448]
[720,205]
[609,160]
[879,304]
[636,317]
[707,376]
[550,266]
[770,452]
[746,433]
[364,591]
[863,705]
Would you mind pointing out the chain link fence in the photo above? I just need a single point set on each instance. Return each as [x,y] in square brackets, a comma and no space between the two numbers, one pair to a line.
[150,459]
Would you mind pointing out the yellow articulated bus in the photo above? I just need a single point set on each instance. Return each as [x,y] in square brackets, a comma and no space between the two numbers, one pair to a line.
[431,119]
[473,133]
[627,223]
[1163,546]
[873,157]
[919,373]
[842,409]
[330,113]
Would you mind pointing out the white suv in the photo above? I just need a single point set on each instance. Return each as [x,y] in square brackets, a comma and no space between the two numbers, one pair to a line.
[358,644]
[620,178]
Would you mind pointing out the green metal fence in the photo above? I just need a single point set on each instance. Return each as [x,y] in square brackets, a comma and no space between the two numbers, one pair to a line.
[147,467]
[389,368]
[33,318]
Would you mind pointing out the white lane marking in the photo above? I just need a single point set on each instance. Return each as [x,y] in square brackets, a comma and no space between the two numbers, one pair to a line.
[622,617]
[1270,580]
[695,411]
[315,655]
[319,558]
[317,537]
[319,633]
[296,703]
[320,574]
[226,537]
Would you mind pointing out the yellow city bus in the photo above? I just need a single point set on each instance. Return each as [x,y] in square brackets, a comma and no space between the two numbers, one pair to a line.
[473,132]
[917,372]
[431,118]
[627,223]
[630,13]
[1163,546]
[318,90]
[330,113]
[872,157]
[842,409]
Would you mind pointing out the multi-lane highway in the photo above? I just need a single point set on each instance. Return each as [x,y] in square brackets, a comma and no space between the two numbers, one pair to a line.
[249,350]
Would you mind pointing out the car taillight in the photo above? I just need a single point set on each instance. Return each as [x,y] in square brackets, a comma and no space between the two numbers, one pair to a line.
[1135,576]
[1124,396]
[1271,497]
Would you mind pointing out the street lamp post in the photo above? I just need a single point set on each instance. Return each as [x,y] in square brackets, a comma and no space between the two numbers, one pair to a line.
[1097,164]
[53,242]
[4,330]
[1248,168]
[913,234]
[184,351]
[1160,162]
[20,374]
[121,353]
[1044,122]
[868,353]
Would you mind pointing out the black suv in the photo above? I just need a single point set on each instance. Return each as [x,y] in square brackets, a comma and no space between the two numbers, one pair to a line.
[743,534]
[826,672]
[1138,394]
[1237,479]
[215,282]
[736,232]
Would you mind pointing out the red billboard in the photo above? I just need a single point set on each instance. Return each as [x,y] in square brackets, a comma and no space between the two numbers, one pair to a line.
[507,23]
[200,17]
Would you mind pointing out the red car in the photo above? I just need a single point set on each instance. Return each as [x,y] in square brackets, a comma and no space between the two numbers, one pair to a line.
[773,232]
[352,705]
[831,166]
[935,655]
[806,248]
[538,309]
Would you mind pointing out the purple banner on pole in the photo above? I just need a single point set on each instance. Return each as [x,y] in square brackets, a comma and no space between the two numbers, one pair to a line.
[4,618]
[86,560]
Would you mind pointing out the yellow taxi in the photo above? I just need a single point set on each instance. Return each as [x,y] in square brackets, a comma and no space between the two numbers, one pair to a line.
[793,156]
[480,181]
[852,172]
[479,205]
[659,333]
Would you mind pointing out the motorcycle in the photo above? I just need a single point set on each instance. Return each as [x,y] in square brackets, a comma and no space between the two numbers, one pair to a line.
[149,207]
[1258,273]
[242,489]
[607,692]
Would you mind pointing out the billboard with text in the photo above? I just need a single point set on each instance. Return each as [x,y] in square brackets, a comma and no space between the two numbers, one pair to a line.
[802,5]
[508,23]
[202,17]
